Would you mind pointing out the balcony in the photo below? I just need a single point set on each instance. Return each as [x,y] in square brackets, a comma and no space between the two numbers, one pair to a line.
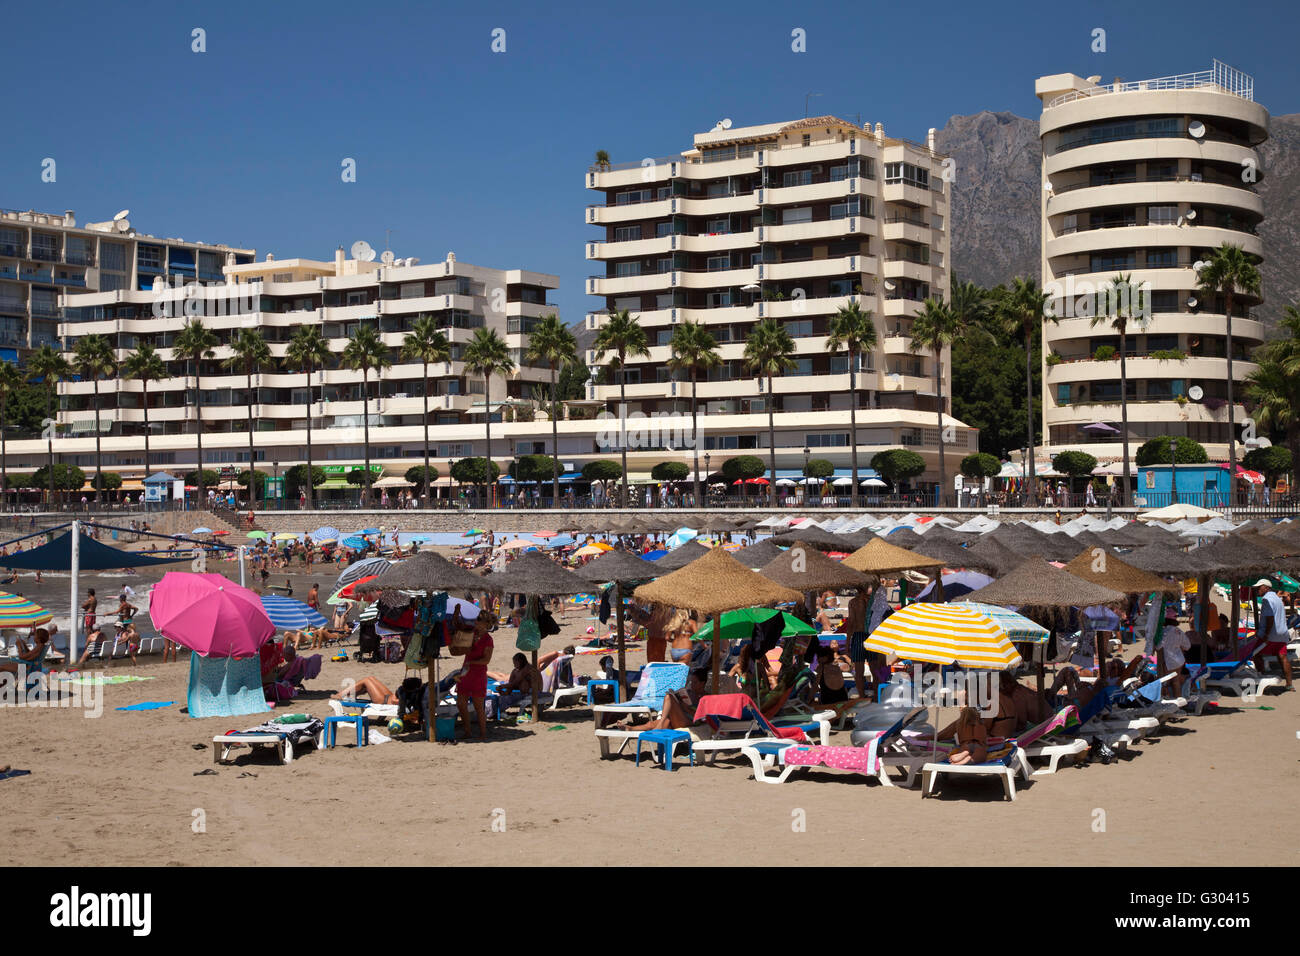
[14,251]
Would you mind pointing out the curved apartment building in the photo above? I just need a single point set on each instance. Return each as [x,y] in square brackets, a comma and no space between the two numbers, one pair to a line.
[1145,178]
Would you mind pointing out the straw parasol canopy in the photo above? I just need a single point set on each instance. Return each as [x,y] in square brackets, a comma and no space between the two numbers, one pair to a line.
[824,540]
[1277,546]
[1021,539]
[759,555]
[1117,574]
[952,555]
[1163,559]
[680,557]
[880,557]
[1035,583]
[804,568]
[992,556]
[536,574]
[715,583]
[1234,556]
[428,571]
[617,566]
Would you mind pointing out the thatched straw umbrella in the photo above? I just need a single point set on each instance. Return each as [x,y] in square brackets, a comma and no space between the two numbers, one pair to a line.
[534,574]
[951,554]
[1109,571]
[620,567]
[824,540]
[990,555]
[1036,584]
[759,555]
[715,583]
[680,557]
[878,557]
[1167,561]
[427,571]
[1022,539]
[804,568]
[1237,558]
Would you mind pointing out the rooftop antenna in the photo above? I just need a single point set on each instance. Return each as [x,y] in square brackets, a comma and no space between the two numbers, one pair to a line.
[806,98]
[388,235]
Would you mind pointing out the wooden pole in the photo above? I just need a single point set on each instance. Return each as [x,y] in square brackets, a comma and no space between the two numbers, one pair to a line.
[1234,614]
[537,693]
[716,663]
[1203,599]
[621,690]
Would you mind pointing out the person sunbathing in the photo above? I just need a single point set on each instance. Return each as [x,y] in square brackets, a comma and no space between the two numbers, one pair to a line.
[972,739]
[678,709]
[524,681]
[27,653]
[372,687]
[92,639]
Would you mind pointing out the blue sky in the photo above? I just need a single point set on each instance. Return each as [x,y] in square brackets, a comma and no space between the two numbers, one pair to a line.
[481,153]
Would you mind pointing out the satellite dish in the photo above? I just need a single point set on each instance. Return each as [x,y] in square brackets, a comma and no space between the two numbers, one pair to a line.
[1191,214]
[1196,129]
[412,261]
[1094,80]
[387,258]
[726,123]
[1195,393]
[122,215]
[889,285]
[1180,220]
[751,287]
[1198,265]
[1192,302]
[1047,186]
[362,252]
[121,225]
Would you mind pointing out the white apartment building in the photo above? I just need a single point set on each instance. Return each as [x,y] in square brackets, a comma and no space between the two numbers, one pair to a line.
[276,297]
[45,255]
[789,220]
[1145,178]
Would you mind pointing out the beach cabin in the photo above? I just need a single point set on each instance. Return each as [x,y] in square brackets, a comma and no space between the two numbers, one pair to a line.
[1204,485]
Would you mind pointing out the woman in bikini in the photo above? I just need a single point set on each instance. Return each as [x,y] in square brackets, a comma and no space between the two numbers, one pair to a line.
[972,739]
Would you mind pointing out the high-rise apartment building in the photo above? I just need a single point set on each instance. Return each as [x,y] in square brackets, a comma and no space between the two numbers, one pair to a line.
[45,255]
[1145,178]
[790,221]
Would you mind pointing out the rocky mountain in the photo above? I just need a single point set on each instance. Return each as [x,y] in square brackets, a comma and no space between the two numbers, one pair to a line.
[995,204]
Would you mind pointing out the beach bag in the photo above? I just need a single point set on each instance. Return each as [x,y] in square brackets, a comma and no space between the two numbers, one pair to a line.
[530,631]
[393,652]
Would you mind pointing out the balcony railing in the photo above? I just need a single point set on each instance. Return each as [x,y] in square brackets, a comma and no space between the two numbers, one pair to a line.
[1220,78]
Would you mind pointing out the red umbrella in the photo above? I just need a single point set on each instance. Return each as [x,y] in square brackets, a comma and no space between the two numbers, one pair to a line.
[350,592]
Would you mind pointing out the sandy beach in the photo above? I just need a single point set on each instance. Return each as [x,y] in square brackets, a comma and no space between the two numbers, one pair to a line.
[121,789]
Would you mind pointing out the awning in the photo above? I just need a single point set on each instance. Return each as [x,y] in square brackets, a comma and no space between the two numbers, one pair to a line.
[392,481]
[92,556]
[336,484]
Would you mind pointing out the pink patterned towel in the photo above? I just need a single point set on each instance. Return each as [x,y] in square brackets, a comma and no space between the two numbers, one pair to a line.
[856,759]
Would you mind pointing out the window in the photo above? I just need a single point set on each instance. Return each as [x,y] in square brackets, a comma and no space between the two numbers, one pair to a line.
[1063,394]
[284,277]
[799,178]
[456,286]
[1164,301]
[789,216]
[632,196]
[719,263]
[1110,261]
[842,210]
[622,269]
[907,174]
[45,247]
[412,290]
[718,226]
[807,139]
[844,171]
[717,190]
[721,154]
[664,300]
[113,257]
[719,299]
[800,329]
[1158,343]
[1162,215]
[663,229]
[631,303]
[1162,258]
[828,440]
[627,233]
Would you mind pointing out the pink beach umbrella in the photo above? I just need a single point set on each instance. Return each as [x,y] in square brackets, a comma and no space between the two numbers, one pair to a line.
[209,614]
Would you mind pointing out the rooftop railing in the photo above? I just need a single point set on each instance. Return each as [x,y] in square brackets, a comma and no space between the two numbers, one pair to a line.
[1220,78]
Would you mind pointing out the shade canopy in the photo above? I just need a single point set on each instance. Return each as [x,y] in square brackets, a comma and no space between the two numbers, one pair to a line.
[878,557]
[92,555]
[1035,583]
[758,555]
[536,574]
[1165,560]
[1018,628]
[1176,511]
[1233,555]
[617,566]
[944,634]
[18,611]
[715,583]
[739,625]
[287,614]
[991,555]
[362,569]
[805,568]
[427,572]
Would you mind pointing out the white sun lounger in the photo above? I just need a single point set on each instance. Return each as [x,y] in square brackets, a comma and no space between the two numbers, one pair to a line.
[221,746]
[1004,768]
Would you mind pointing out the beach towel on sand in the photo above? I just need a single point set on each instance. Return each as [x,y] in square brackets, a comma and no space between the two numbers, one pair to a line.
[14,773]
[857,759]
[148,705]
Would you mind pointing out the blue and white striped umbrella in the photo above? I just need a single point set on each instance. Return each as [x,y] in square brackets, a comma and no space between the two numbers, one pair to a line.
[287,614]
[362,569]
[356,542]
[325,533]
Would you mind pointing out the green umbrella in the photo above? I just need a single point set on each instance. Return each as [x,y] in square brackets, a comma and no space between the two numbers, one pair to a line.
[739,625]
[257,534]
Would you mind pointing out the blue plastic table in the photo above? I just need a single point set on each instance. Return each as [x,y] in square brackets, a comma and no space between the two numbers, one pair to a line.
[666,741]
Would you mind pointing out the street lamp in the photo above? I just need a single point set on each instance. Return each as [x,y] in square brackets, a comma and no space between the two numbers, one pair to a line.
[707,471]
[1173,469]
[279,492]
[1024,470]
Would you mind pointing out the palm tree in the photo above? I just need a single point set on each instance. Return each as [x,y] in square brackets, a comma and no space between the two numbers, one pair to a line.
[694,350]
[145,365]
[602,158]
[623,336]
[426,343]
[197,342]
[936,327]
[1230,271]
[970,303]
[48,366]
[250,352]
[93,358]
[552,344]
[852,327]
[487,354]
[769,351]
[366,351]
[1025,307]
[307,351]
[1123,307]
[1274,386]
[11,379]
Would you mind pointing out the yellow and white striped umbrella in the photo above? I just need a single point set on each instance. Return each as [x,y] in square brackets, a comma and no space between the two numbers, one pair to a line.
[944,634]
